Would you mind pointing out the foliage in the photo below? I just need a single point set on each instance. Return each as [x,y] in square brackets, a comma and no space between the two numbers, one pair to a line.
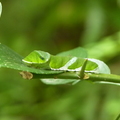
[39,62]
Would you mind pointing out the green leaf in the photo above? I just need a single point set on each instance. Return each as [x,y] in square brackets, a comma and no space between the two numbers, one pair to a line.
[10,59]
[59,81]
[98,50]
[77,52]
[0,8]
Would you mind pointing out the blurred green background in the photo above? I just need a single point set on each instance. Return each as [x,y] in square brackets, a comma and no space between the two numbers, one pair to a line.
[56,26]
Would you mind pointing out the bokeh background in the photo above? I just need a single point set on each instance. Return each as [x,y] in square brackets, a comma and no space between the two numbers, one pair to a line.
[56,26]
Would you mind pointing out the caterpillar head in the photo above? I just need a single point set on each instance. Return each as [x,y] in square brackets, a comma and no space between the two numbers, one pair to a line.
[37,57]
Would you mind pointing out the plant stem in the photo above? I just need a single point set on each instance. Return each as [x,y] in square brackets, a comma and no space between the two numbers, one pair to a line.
[105,78]
[98,78]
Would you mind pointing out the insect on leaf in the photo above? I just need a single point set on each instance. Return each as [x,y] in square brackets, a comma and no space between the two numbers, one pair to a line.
[43,60]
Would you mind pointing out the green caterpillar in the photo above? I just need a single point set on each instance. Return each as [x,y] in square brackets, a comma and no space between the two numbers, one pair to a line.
[44,60]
